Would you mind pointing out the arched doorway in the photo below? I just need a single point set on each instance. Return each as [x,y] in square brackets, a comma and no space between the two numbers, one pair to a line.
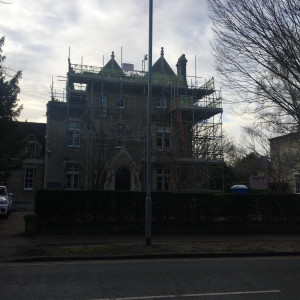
[122,180]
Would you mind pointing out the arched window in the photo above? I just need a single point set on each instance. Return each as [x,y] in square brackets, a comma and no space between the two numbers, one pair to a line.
[120,132]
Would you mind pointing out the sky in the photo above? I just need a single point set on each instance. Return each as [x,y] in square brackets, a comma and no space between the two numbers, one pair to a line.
[40,35]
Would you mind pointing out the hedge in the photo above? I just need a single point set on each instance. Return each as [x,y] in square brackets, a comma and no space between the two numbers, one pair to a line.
[106,206]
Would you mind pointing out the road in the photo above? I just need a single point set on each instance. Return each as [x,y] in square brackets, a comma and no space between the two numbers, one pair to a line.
[270,278]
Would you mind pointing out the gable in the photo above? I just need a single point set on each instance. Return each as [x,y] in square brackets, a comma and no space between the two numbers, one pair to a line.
[112,67]
[123,158]
[33,131]
[161,66]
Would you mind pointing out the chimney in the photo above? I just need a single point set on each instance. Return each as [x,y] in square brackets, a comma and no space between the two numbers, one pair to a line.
[181,69]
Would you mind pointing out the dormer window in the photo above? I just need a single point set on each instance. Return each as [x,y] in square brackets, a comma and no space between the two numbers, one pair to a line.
[30,150]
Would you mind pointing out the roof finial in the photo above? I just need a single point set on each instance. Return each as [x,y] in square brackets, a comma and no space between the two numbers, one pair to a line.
[112,54]
[162,51]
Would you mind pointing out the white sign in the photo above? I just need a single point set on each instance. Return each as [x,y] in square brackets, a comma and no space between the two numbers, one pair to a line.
[127,67]
[258,182]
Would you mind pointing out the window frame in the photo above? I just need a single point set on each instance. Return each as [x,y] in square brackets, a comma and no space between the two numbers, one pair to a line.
[103,106]
[161,103]
[28,179]
[30,149]
[120,134]
[163,137]
[163,179]
[72,176]
[123,103]
[297,183]
[74,134]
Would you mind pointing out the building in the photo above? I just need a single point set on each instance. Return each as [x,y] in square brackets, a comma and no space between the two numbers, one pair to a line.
[28,174]
[97,138]
[285,163]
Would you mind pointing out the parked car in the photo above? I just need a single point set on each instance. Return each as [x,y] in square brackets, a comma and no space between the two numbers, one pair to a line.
[5,201]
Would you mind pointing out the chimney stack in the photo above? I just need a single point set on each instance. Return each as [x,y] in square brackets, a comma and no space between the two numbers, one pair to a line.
[181,68]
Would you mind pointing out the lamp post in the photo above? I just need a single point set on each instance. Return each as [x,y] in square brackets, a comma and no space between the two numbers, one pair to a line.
[148,207]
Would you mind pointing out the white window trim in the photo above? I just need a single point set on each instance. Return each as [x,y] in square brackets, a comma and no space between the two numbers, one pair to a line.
[163,178]
[26,177]
[31,152]
[73,170]
[74,128]
[163,133]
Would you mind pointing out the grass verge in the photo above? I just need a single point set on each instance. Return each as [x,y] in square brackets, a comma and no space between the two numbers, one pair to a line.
[117,249]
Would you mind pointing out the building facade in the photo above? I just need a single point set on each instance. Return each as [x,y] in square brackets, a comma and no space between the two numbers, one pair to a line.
[97,138]
[285,163]
[28,174]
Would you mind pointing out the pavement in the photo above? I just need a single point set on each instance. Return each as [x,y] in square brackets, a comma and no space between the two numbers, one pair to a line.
[16,246]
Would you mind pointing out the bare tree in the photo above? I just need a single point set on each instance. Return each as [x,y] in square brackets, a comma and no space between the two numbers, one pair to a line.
[232,151]
[285,157]
[257,53]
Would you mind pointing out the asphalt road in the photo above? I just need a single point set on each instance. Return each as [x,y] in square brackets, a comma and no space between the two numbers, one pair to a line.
[222,279]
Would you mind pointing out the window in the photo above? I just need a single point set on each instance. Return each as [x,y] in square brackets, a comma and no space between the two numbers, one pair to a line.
[297,183]
[161,102]
[3,191]
[74,131]
[163,179]
[30,149]
[28,179]
[120,132]
[103,106]
[121,103]
[3,178]
[72,176]
[163,137]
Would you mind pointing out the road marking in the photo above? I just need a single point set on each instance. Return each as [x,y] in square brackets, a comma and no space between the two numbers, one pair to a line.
[137,261]
[193,295]
[232,293]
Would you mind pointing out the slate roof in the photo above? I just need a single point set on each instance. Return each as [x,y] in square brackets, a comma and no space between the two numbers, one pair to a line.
[161,66]
[39,129]
[113,65]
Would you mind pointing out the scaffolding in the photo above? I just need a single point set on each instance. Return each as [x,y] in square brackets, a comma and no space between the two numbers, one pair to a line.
[189,124]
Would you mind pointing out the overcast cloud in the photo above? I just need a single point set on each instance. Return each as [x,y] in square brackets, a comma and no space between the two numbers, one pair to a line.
[39,33]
